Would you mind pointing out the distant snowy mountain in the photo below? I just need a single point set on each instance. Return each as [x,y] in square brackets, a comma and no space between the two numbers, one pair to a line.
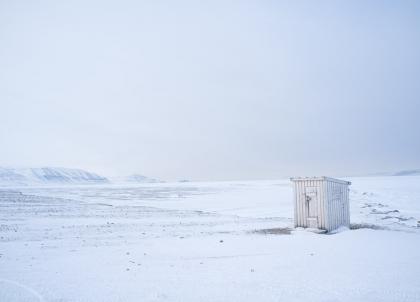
[47,175]
[140,178]
[412,172]
[183,180]
[407,172]
[134,178]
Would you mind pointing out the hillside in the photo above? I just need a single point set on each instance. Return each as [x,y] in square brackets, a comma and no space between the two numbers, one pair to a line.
[407,172]
[47,175]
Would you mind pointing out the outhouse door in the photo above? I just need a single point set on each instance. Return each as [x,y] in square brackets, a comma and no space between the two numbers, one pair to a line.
[311,194]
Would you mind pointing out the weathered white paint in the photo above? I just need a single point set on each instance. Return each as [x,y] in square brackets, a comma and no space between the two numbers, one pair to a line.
[321,202]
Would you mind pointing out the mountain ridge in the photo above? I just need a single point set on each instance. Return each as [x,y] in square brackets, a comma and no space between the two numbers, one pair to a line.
[27,176]
[48,175]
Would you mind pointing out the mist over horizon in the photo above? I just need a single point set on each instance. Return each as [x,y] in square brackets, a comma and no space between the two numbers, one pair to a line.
[19,175]
[211,91]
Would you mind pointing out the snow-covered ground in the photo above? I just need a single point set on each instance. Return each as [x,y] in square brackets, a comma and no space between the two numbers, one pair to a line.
[215,241]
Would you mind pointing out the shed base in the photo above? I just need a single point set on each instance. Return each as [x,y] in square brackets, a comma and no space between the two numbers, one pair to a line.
[313,230]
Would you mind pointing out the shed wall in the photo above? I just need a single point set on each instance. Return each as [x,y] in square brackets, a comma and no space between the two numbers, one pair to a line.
[338,205]
[301,207]
[332,203]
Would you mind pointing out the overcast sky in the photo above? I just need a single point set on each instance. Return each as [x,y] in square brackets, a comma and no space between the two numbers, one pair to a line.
[211,89]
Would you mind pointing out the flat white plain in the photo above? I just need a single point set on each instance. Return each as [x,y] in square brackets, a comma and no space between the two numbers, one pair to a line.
[205,242]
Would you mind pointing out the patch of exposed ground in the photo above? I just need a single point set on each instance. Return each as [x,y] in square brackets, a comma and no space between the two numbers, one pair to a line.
[274,231]
[356,226]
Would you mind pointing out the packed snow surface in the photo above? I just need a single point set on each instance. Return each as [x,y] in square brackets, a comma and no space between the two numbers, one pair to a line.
[219,241]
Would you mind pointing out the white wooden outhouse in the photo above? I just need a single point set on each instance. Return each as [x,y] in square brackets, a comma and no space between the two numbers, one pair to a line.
[321,202]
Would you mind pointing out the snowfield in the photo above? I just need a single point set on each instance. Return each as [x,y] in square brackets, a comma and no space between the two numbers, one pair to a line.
[215,241]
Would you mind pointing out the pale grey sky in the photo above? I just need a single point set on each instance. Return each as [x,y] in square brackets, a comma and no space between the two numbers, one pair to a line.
[211,89]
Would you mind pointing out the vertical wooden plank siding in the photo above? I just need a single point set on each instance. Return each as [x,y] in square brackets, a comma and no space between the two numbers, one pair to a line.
[331,197]
[330,226]
[348,206]
[300,204]
[337,204]
[332,204]
[319,203]
[322,198]
[318,188]
[294,204]
[343,205]
[326,206]
[328,202]
[305,208]
[310,184]
[299,213]
[336,212]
